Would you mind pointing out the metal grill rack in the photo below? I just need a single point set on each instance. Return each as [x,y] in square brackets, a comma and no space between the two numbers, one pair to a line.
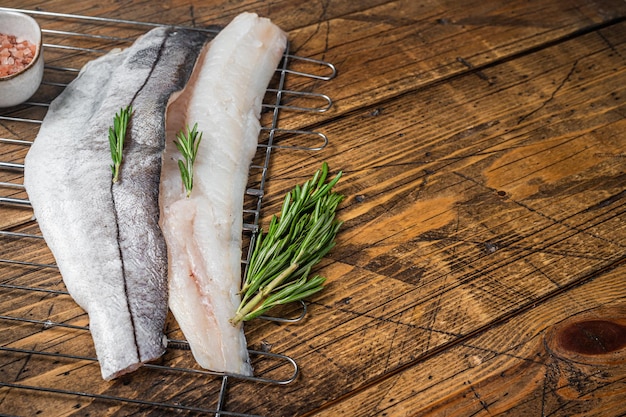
[30,277]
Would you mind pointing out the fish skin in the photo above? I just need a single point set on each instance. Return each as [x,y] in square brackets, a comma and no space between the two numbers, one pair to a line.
[104,236]
[204,232]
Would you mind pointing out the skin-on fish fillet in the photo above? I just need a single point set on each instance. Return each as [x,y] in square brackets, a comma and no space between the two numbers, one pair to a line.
[204,232]
[104,236]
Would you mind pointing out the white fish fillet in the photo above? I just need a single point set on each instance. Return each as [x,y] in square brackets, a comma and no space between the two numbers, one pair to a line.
[204,232]
[105,238]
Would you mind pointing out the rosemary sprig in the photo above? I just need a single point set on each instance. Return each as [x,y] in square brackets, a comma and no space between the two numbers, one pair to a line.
[187,144]
[282,258]
[117,134]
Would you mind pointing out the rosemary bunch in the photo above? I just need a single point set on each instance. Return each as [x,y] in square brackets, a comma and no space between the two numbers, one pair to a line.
[296,240]
[187,144]
[117,134]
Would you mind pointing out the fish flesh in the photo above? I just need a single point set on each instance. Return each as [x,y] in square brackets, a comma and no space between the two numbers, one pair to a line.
[109,239]
[105,236]
[204,231]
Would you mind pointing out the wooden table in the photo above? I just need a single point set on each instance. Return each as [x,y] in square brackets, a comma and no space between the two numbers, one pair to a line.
[480,269]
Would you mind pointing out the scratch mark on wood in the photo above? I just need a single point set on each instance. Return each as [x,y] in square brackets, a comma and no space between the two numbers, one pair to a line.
[549,168]
[76,368]
[496,353]
[542,273]
[544,391]
[325,19]
[472,68]
[444,283]
[318,28]
[552,95]
[329,359]
[472,131]
[24,365]
[388,389]
[561,222]
[389,354]
[192,15]
[483,404]
[606,202]
[609,44]
[435,312]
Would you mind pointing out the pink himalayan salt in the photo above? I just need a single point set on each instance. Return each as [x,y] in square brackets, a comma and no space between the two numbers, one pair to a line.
[14,55]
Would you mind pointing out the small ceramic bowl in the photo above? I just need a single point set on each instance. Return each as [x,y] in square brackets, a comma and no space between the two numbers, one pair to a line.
[19,87]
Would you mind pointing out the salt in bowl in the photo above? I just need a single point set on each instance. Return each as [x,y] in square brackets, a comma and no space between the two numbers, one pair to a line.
[19,87]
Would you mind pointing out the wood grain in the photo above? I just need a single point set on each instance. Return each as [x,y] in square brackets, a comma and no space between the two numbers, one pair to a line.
[545,360]
[480,267]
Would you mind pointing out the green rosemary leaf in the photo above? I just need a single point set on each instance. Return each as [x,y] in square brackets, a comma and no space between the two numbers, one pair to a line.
[117,135]
[294,291]
[187,143]
[296,240]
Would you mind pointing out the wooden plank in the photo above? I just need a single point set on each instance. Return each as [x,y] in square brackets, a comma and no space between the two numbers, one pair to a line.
[431,41]
[565,356]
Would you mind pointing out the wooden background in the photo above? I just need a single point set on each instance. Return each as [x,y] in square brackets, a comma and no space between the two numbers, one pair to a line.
[480,270]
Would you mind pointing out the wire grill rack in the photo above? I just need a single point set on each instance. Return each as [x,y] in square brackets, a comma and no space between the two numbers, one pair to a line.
[22,277]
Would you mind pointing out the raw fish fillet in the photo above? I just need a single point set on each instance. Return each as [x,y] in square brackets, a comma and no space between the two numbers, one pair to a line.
[204,232]
[105,237]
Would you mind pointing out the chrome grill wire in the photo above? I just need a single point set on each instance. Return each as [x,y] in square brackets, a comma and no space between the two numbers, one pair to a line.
[276,107]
